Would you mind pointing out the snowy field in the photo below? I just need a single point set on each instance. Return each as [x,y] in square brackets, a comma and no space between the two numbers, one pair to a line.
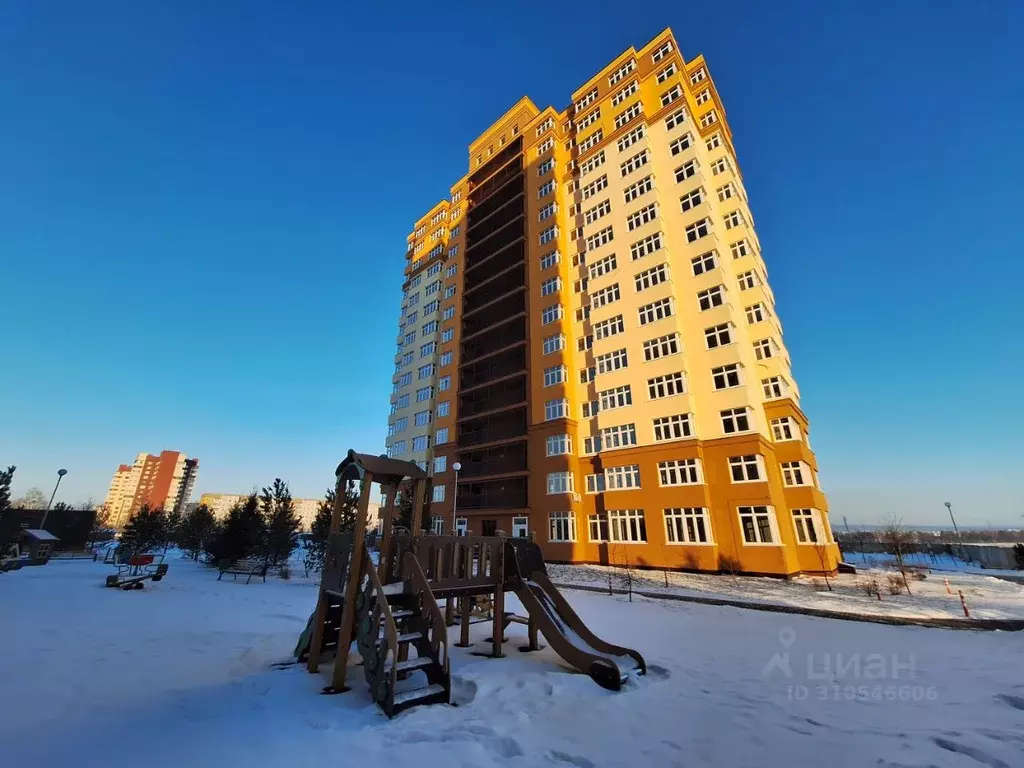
[180,674]
[987,597]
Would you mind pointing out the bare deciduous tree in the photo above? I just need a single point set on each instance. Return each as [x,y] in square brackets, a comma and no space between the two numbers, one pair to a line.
[898,538]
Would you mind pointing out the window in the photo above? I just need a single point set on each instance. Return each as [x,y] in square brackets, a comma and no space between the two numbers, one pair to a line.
[405,380]
[601,209]
[675,119]
[592,163]
[424,393]
[712,297]
[554,343]
[680,145]
[598,525]
[449,291]
[758,524]
[547,211]
[591,189]
[627,525]
[595,483]
[739,249]
[551,314]
[703,263]
[698,76]
[634,190]
[687,525]
[679,472]
[809,526]
[733,219]
[546,189]
[434,269]
[580,285]
[785,428]
[666,386]
[437,524]
[643,216]
[425,371]
[610,438]
[551,285]
[587,100]
[585,342]
[674,427]
[686,170]
[630,112]
[592,140]
[718,335]
[697,230]
[691,199]
[714,141]
[428,348]
[605,296]
[440,464]
[397,448]
[455,230]
[636,161]
[557,445]
[721,165]
[796,473]
[747,469]
[546,146]
[656,310]
[556,409]
[619,397]
[726,376]
[764,348]
[554,375]
[609,327]
[621,72]
[548,235]
[444,383]
[448,313]
[612,361]
[663,346]
[600,238]
[735,420]
[421,443]
[667,72]
[422,418]
[709,119]
[622,478]
[399,425]
[547,125]
[602,267]
[560,482]
[407,358]
[774,387]
[589,119]
[644,247]
[447,335]
[625,93]
[545,167]
[446,358]
[402,402]
[438,494]
[444,409]
[582,313]
[431,307]
[441,436]
[747,280]
[673,93]
[662,52]
[461,526]
[549,260]
[651,277]
[561,526]
[631,138]
[429,328]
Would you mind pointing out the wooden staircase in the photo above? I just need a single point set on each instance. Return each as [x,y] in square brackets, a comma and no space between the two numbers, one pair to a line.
[403,640]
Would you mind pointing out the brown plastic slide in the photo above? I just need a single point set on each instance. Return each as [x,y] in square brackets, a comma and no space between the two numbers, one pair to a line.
[609,665]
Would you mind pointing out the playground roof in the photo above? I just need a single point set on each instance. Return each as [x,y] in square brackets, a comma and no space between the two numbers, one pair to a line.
[384,470]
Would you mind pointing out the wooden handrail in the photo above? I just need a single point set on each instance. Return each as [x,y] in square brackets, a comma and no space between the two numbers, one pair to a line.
[438,637]
[383,671]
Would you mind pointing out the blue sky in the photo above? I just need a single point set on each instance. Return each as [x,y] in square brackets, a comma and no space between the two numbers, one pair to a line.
[203,210]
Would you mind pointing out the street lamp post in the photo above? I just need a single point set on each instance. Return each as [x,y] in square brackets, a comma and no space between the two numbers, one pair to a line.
[60,476]
[455,497]
[956,530]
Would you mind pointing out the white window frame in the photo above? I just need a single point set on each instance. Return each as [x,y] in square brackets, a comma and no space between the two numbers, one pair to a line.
[684,525]
[754,513]
[744,464]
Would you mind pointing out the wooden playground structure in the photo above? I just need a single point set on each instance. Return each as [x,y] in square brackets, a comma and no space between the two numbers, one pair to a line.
[390,608]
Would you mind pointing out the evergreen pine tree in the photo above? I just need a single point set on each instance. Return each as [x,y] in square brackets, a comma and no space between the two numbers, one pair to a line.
[146,530]
[403,508]
[315,545]
[195,530]
[282,524]
[1018,556]
[7,532]
[349,508]
[242,534]
[174,520]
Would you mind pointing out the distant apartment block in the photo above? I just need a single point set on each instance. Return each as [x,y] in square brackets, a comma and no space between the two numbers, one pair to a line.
[165,481]
[221,503]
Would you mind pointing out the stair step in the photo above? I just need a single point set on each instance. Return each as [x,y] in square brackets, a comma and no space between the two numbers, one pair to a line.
[402,613]
[398,588]
[409,664]
[418,693]
[408,637]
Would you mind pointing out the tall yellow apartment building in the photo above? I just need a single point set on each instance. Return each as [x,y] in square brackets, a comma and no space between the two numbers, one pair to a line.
[587,329]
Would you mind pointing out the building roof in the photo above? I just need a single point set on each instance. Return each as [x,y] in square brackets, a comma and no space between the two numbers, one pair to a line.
[39,535]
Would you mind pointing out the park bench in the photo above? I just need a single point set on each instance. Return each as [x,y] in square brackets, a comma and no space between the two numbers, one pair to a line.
[249,566]
[136,571]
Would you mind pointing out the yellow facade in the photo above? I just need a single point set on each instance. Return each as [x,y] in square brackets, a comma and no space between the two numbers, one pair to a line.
[652,347]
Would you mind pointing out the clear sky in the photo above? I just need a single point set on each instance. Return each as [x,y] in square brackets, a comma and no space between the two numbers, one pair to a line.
[203,211]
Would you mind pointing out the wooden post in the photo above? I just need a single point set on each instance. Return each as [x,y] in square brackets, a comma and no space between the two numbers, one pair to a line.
[384,550]
[498,630]
[317,641]
[419,489]
[355,576]
[464,636]
[532,627]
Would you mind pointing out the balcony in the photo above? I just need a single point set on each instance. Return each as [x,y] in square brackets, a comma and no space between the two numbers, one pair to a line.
[497,338]
[489,243]
[495,261]
[493,428]
[476,297]
[494,367]
[499,395]
[509,493]
[499,460]
[480,215]
[502,158]
[512,305]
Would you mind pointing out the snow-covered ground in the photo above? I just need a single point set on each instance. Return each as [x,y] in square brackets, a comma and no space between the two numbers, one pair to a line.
[180,674]
[987,597]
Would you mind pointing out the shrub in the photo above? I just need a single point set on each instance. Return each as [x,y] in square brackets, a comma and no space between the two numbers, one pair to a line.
[896,583]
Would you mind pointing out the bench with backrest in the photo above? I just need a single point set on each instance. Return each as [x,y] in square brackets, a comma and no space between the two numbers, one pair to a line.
[250,566]
[137,570]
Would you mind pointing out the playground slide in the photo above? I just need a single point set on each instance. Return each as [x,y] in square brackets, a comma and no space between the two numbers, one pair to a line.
[609,665]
